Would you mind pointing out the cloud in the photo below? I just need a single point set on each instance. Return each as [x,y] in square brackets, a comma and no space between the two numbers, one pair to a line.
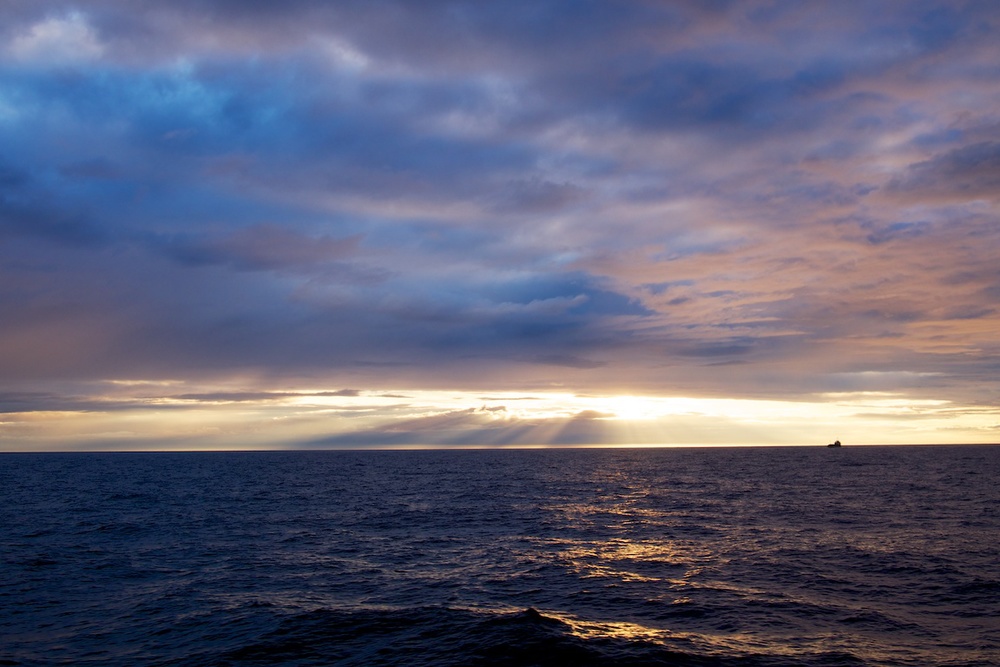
[958,175]
[746,198]
[537,196]
[95,169]
[26,211]
[234,396]
[67,39]
[490,426]
[39,221]
[261,247]
[897,231]
[30,401]
[569,361]
[593,414]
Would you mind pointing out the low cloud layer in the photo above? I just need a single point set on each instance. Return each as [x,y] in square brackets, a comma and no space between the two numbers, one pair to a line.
[748,200]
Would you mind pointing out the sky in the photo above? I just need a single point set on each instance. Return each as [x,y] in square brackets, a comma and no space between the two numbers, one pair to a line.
[239,224]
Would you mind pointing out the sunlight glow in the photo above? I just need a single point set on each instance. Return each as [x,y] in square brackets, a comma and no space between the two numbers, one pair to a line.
[166,414]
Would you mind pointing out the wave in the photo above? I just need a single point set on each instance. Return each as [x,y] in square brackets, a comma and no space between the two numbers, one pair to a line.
[442,636]
[629,558]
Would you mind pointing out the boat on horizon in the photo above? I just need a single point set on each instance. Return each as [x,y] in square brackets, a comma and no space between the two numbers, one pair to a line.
[835,443]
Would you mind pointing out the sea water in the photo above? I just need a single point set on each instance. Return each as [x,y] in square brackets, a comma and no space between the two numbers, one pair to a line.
[734,556]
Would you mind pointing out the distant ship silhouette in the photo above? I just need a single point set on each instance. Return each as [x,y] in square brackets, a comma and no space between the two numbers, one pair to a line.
[835,443]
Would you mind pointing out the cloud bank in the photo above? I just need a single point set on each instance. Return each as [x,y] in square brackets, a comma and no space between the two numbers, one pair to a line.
[757,200]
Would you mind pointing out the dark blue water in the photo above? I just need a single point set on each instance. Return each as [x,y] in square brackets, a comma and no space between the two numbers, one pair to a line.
[756,556]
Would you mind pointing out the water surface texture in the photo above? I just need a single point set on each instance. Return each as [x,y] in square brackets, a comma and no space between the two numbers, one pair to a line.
[737,556]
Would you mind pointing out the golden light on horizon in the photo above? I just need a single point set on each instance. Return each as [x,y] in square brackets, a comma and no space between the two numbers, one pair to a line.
[168,415]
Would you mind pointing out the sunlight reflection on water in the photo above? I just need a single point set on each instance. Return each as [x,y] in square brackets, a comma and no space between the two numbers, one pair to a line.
[877,556]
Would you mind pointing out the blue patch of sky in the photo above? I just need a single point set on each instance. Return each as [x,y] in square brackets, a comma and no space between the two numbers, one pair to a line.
[598,299]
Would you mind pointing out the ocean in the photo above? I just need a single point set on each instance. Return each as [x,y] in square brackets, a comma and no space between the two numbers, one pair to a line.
[712,556]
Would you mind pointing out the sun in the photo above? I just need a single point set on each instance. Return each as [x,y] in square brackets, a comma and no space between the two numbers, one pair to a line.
[635,408]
